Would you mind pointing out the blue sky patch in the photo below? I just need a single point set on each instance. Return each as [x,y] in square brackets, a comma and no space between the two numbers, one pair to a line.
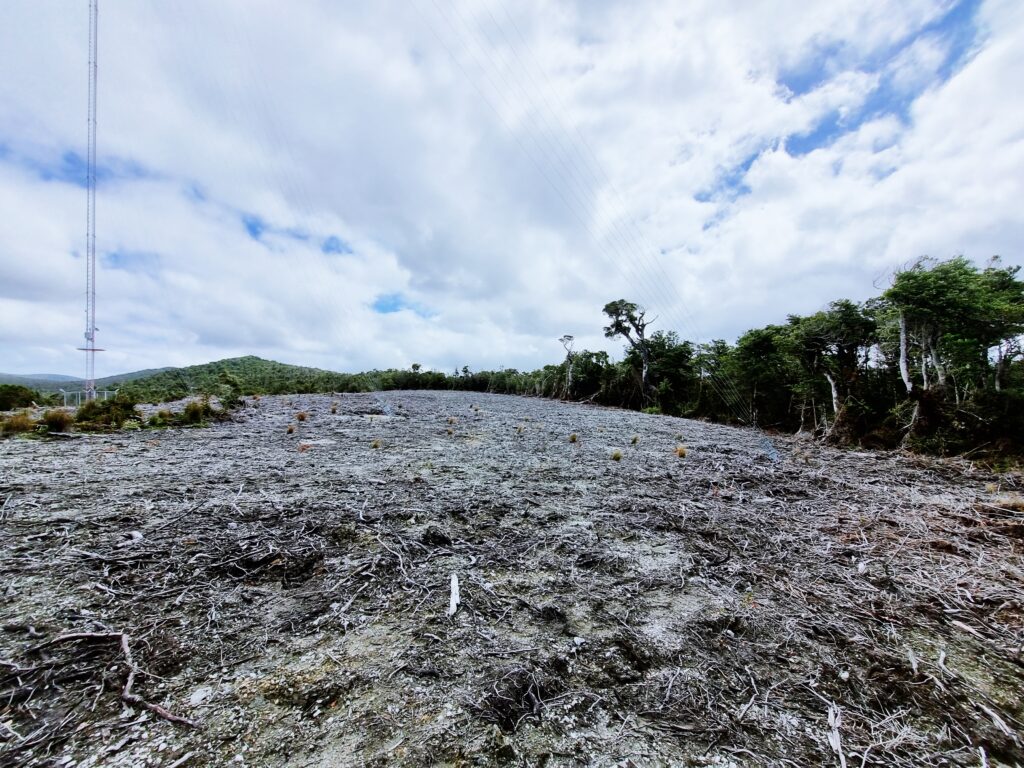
[70,168]
[956,30]
[131,261]
[824,133]
[335,244]
[389,303]
[959,29]
[730,182]
[195,193]
[812,72]
[254,225]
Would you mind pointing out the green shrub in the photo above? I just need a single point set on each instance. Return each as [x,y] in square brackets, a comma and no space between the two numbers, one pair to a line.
[16,396]
[100,415]
[162,418]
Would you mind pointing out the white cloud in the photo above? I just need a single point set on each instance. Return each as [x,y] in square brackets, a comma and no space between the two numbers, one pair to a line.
[506,174]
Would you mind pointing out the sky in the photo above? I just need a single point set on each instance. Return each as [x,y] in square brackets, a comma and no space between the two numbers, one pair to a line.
[461,182]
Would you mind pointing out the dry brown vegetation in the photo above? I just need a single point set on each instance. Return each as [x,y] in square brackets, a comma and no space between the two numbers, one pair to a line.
[17,422]
[213,593]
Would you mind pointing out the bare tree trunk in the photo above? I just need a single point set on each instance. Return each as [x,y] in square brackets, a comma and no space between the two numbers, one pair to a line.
[904,365]
[940,369]
[835,393]
[1009,350]
[838,432]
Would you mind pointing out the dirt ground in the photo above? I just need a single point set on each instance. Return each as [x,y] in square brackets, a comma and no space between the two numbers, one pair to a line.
[241,595]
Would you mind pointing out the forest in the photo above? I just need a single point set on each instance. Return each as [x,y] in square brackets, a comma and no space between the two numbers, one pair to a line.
[935,363]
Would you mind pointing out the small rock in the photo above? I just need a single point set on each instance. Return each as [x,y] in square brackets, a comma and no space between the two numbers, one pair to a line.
[200,696]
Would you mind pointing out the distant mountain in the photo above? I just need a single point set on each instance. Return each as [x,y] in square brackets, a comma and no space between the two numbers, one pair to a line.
[54,382]
[41,383]
[52,377]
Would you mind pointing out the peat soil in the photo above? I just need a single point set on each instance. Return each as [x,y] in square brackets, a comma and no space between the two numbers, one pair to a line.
[244,595]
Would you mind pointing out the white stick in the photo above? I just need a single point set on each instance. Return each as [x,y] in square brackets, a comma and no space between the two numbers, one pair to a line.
[453,603]
[835,719]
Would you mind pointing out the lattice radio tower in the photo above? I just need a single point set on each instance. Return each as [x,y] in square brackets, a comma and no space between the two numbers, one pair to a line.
[90,348]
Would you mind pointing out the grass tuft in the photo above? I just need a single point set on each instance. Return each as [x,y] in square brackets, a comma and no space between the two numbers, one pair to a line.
[681,451]
[291,429]
[635,440]
[196,411]
[17,422]
[616,455]
[1012,503]
[301,416]
[378,443]
[58,421]
[162,418]
[573,437]
[303,447]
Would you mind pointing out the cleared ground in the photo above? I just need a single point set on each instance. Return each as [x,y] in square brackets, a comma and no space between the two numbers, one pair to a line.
[288,594]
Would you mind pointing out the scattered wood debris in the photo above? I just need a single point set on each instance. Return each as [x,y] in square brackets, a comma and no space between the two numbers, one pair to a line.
[490,595]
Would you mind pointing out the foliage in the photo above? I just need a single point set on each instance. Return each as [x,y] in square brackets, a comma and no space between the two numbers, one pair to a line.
[16,396]
[103,415]
[835,373]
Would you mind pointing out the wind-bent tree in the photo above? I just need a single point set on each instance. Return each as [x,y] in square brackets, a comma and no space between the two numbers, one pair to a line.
[835,344]
[673,373]
[1004,317]
[628,321]
[765,373]
[950,315]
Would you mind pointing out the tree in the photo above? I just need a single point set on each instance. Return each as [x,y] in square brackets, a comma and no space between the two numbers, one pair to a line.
[712,363]
[628,320]
[766,371]
[567,342]
[950,315]
[16,396]
[1005,317]
[832,344]
[672,367]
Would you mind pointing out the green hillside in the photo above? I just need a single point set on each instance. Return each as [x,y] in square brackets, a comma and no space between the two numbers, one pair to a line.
[247,375]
